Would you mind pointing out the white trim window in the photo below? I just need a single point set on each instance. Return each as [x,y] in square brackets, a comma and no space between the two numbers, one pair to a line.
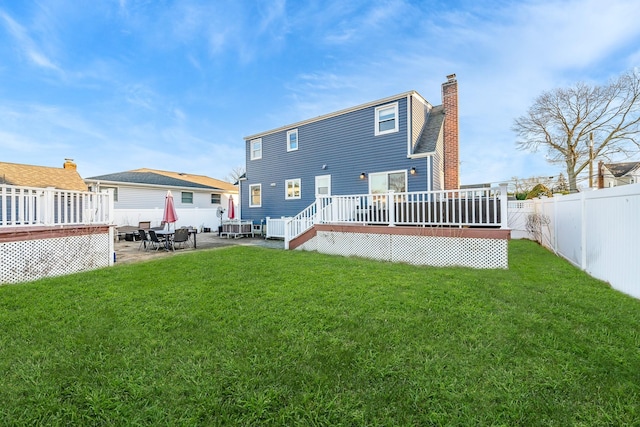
[256,148]
[292,189]
[187,197]
[386,119]
[292,140]
[383,182]
[255,195]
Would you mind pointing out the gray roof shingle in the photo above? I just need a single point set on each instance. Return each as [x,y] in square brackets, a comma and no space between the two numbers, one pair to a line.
[149,178]
[621,169]
[431,132]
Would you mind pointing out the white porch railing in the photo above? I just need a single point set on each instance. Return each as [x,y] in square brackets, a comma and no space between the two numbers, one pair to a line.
[477,207]
[30,206]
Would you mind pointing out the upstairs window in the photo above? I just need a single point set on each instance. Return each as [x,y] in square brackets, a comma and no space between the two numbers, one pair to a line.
[292,189]
[387,119]
[256,148]
[292,140]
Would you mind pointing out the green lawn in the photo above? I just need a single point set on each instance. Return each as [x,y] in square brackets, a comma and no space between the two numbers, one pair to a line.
[254,336]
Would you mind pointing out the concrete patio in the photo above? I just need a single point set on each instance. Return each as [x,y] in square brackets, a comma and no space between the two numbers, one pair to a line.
[128,251]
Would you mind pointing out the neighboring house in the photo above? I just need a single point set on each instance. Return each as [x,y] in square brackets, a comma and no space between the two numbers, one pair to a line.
[140,195]
[400,143]
[65,178]
[615,174]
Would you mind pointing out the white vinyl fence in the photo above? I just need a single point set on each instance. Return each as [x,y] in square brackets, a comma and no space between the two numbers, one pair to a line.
[598,231]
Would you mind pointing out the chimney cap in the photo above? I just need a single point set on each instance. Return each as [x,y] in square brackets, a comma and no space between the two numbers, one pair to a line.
[451,77]
[69,164]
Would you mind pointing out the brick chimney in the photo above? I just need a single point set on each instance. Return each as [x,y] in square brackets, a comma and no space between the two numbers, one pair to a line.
[68,164]
[451,141]
[600,174]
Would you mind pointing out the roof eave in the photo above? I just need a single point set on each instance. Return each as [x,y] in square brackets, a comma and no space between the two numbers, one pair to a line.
[161,186]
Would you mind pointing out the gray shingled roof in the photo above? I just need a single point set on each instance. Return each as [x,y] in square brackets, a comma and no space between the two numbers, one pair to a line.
[621,169]
[431,132]
[149,178]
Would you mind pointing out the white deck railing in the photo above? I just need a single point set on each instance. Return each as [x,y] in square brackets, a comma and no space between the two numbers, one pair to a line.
[30,206]
[476,207]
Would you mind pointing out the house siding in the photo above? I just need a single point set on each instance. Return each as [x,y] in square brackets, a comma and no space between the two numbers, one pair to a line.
[419,114]
[149,198]
[346,144]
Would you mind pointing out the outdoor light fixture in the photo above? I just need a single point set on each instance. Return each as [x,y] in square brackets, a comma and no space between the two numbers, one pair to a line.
[363,175]
[324,167]
[413,171]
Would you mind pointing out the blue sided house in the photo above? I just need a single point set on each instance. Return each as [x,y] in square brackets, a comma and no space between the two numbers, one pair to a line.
[401,143]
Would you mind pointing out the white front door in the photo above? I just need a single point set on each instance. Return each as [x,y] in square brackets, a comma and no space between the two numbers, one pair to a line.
[323,185]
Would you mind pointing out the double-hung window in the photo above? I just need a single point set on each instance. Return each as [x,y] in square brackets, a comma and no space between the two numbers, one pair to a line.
[215,199]
[255,195]
[387,119]
[187,197]
[292,140]
[256,148]
[292,188]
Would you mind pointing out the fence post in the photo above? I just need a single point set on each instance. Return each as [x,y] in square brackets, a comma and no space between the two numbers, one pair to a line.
[287,234]
[391,208]
[111,206]
[504,207]
[583,239]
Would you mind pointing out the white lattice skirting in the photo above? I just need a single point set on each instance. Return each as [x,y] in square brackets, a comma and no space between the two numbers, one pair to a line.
[23,261]
[412,249]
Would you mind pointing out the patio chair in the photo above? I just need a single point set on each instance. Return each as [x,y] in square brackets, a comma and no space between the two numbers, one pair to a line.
[181,236]
[144,239]
[155,241]
[159,227]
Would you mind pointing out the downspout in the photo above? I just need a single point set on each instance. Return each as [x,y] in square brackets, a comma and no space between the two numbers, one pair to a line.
[240,180]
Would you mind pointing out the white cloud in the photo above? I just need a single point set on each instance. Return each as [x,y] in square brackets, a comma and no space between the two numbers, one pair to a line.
[26,44]
[140,95]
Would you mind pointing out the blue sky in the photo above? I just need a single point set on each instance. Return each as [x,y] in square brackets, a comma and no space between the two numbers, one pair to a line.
[176,85]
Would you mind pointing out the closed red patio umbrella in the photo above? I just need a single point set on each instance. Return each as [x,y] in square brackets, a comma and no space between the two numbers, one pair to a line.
[231,212]
[170,215]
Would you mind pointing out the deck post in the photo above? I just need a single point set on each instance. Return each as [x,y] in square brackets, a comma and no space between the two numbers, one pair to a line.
[504,206]
[318,216]
[49,206]
[391,208]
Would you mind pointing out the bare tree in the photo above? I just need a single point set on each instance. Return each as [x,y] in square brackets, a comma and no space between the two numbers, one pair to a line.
[235,174]
[562,120]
